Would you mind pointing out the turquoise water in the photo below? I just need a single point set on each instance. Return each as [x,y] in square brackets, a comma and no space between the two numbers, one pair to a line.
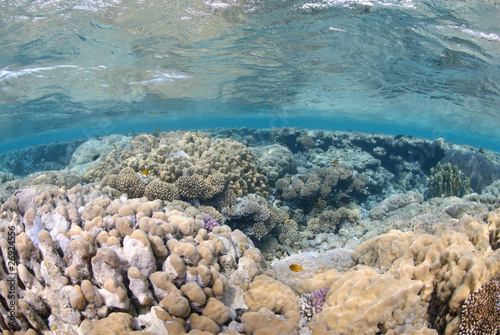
[72,69]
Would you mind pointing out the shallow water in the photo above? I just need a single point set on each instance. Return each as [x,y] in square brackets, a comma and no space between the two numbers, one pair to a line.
[77,68]
[356,138]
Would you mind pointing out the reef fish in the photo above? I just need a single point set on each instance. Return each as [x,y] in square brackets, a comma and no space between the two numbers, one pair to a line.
[296,268]
[145,172]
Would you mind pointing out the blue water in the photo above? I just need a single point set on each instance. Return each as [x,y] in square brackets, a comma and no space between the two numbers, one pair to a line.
[71,69]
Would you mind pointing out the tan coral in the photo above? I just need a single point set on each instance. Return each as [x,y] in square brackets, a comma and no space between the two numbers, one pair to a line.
[216,311]
[176,305]
[194,293]
[266,322]
[361,300]
[161,190]
[272,294]
[204,323]
[115,324]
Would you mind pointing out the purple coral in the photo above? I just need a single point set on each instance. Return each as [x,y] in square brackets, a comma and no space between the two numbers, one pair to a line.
[317,299]
[210,223]
[312,303]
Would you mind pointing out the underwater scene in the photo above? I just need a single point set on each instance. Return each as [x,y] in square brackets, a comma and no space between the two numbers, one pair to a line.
[245,167]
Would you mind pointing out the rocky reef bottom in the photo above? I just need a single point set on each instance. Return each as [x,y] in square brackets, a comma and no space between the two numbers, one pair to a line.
[81,256]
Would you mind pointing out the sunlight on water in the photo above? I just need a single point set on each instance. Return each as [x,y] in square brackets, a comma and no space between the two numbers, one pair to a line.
[406,64]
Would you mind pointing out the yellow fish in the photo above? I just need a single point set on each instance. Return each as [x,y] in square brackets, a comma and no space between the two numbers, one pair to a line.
[335,160]
[363,162]
[158,128]
[114,145]
[301,178]
[296,268]
[144,172]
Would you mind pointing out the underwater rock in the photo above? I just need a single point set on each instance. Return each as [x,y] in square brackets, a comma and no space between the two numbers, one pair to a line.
[92,151]
[41,157]
[475,166]
[275,161]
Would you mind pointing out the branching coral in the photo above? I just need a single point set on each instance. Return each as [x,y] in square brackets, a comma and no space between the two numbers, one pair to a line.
[320,183]
[447,181]
[481,310]
[161,190]
[127,182]
[175,155]
[329,220]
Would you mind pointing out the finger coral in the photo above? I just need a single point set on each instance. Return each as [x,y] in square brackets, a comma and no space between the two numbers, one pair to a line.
[161,190]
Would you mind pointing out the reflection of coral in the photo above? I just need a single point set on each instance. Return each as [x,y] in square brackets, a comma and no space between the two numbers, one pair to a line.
[447,181]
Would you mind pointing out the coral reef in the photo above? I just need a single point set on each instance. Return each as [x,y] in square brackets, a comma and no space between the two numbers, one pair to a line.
[167,238]
[321,183]
[72,266]
[190,156]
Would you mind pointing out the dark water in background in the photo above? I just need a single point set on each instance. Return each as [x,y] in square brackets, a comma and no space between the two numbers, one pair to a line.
[71,69]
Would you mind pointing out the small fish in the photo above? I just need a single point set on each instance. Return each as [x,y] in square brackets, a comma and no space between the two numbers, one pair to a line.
[114,145]
[288,221]
[363,162]
[145,172]
[296,268]
[301,178]
[458,182]
[242,187]
[158,128]
[335,160]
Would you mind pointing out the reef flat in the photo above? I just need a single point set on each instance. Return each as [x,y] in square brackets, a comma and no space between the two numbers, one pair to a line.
[250,231]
